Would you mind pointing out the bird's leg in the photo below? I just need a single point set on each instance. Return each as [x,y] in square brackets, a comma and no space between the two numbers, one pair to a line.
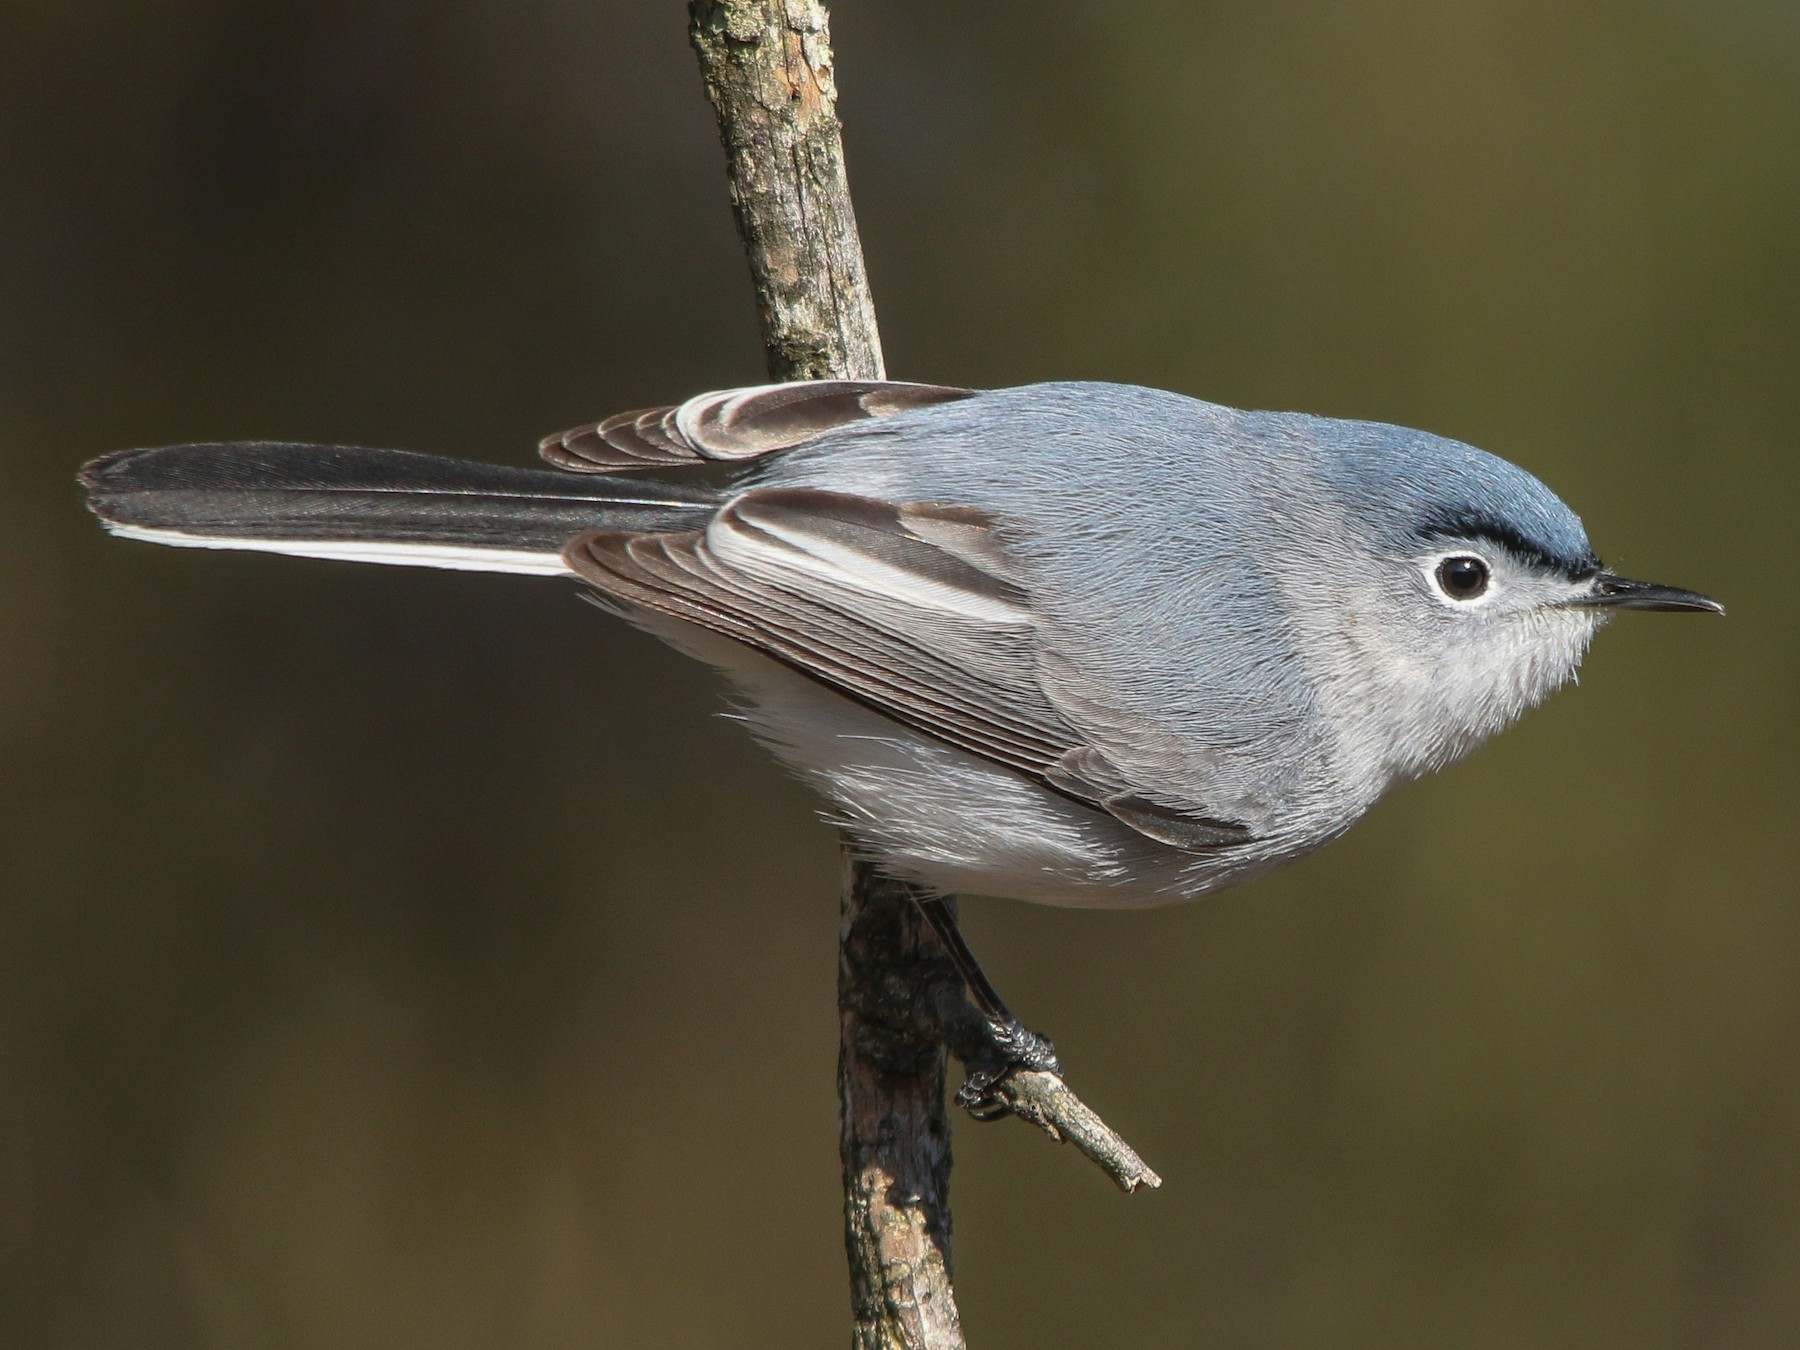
[1005,1043]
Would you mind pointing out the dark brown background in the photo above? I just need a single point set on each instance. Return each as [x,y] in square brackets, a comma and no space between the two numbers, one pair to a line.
[403,959]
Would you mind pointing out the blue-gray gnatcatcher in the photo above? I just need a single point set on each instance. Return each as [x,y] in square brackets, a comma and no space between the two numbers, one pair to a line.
[1082,644]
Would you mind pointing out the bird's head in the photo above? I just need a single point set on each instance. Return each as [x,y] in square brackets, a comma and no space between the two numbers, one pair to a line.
[1478,590]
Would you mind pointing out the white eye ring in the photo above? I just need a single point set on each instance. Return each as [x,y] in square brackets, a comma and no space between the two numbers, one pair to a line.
[1462,578]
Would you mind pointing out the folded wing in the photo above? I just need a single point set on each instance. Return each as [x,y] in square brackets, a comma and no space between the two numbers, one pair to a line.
[913,609]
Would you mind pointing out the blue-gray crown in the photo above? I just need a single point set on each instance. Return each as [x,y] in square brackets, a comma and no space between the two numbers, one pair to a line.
[1432,488]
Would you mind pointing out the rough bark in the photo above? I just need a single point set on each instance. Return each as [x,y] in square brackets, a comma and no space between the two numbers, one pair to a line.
[894,1136]
[768,71]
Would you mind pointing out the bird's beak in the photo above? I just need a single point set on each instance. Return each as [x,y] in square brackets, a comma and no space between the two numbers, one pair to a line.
[1610,591]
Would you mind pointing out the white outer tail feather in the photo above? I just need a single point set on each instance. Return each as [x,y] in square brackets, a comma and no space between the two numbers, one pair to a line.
[464,558]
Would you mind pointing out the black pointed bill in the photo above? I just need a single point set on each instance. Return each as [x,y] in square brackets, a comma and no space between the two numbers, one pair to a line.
[1610,591]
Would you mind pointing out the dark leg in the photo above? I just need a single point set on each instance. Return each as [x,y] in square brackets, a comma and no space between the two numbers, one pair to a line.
[1007,1044]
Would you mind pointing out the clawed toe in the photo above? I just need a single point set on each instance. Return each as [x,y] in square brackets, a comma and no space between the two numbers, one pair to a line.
[982,1103]
[989,1039]
[1010,1046]
[1018,1047]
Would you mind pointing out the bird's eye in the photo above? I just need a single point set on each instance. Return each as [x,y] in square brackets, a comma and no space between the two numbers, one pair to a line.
[1462,577]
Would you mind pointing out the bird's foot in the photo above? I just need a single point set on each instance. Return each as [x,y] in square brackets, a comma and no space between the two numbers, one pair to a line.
[1009,1046]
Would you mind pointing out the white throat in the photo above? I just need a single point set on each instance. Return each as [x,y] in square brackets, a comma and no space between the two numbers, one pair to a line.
[1402,702]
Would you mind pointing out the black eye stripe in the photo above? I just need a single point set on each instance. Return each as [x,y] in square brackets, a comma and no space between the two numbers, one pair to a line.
[1462,576]
[1473,526]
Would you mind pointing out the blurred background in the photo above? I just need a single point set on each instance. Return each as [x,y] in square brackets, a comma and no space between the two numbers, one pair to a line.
[405,959]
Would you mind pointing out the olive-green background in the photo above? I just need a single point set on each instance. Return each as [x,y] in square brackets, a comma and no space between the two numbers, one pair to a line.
[406,959]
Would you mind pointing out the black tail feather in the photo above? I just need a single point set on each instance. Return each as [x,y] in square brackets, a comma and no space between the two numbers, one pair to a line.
[264,494]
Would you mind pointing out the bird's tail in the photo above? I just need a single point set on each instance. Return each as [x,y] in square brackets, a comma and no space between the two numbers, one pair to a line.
[381,506]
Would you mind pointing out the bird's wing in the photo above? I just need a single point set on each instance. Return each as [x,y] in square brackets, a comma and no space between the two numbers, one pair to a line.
[913,609]
[734,424]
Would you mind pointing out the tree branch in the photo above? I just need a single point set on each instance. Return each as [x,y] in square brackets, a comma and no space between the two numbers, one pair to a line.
[894,1137]
[767,66]
[768,71]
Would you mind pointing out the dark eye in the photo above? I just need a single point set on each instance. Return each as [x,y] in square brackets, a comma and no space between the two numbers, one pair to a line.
[1462,577]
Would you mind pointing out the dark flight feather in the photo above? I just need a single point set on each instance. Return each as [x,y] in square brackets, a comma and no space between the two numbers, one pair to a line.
[736,424]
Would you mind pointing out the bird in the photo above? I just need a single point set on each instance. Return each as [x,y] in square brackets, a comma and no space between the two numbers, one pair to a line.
[1075,643]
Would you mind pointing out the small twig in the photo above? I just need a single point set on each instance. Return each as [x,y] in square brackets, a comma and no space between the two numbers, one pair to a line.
[1014,1071]
[1039,1096]
[1044,1100]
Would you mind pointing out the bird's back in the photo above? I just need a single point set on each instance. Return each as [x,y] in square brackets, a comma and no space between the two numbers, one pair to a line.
[1147,526]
